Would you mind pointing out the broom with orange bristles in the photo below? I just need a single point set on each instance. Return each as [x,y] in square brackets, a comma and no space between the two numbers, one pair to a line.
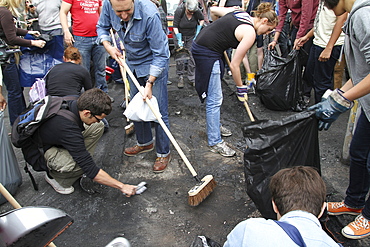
[199,192]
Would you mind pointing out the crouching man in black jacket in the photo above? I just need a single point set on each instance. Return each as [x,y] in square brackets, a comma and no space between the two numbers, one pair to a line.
[69,144]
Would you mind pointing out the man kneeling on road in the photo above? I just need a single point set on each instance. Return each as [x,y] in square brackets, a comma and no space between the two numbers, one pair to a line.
[69,145]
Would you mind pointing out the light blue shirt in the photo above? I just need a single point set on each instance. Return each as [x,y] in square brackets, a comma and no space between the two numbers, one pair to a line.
[145,42]
[259,232]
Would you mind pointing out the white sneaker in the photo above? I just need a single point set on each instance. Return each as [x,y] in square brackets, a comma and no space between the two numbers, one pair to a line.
[57,187]
[225,132]
[359,228]
[223,149]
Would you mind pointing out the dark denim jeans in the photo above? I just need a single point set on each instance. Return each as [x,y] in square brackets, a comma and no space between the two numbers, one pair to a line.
[16,101]
[320,74]
[90,50]
[143,130]
[360,167]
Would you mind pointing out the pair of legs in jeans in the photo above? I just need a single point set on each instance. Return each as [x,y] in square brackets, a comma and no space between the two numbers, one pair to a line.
[213,105]
[62,166]
[91,50]
[321,73]
[16,101]
[360,167]
[143,129]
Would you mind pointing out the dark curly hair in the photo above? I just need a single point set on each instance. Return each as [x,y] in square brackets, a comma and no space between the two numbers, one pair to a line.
[96,101]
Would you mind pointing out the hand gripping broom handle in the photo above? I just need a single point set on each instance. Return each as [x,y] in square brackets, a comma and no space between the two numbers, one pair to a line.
[14,203]
[245,95]
[159,118]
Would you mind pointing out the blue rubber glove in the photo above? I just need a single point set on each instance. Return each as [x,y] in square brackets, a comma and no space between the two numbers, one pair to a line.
[240,91]
[179,40]
[328,111]
[199,27]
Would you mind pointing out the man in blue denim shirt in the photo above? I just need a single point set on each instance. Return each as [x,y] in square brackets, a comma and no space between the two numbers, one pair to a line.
[139,26]
[298,198]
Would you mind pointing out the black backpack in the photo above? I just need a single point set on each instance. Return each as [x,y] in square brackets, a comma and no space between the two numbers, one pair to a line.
[25,134]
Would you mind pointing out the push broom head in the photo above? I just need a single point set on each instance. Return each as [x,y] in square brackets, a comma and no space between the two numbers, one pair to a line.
[199,192]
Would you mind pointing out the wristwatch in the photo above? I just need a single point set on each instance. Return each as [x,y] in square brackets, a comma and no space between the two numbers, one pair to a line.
[150,82]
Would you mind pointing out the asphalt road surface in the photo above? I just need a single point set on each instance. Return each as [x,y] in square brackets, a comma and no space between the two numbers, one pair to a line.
[161,215]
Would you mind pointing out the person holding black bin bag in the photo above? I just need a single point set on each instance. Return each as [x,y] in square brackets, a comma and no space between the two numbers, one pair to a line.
[357,51]
[9,34]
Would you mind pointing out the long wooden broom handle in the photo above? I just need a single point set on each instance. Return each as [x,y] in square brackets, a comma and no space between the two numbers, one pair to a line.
[14,203]
[227,59]
[9,197]
[123,71]
[159,118]
[245,95]
[247,108]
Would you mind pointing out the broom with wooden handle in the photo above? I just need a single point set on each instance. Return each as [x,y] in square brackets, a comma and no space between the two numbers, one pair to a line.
[245,95]
[205,186]
[129,128]
[14,203]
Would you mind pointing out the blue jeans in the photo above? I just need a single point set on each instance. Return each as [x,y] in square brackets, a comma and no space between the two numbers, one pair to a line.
[16,101]
[213,105]
[90,50]
[321,73]
[143,130]
[360,167]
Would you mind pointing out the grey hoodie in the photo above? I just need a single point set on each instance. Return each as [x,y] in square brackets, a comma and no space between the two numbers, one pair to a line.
[357,46]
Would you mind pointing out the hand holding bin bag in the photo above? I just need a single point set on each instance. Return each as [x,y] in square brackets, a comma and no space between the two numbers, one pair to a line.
[10,175]
[279,82]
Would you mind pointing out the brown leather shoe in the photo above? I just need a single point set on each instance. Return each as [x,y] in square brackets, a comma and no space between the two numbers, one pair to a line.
[132,151]
[161,163]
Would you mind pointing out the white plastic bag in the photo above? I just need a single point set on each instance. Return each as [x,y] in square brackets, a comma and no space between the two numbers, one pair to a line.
[38,90]
[137,110]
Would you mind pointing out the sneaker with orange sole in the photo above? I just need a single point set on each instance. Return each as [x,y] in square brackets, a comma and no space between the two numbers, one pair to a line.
[338,208]
[360,228]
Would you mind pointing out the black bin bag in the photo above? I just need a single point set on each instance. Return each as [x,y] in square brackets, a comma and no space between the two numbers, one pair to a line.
[279,82]
[274,145]
[10,175]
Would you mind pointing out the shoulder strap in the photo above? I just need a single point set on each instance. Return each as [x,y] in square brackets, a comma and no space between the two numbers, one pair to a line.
[68,114]
[182,10]
[292,232]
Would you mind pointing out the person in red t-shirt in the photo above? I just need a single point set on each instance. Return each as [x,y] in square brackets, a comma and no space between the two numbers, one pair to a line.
[85,15]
